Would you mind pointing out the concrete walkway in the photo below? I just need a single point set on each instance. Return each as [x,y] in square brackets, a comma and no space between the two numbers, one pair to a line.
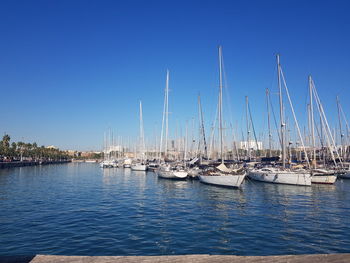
[318,258]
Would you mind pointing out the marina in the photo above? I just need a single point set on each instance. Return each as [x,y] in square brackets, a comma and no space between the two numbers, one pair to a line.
[174,131]
[117,211]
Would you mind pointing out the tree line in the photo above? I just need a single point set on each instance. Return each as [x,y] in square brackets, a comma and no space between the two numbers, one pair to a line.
[16,151]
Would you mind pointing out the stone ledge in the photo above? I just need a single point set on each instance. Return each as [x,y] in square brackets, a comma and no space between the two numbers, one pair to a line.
[319,258]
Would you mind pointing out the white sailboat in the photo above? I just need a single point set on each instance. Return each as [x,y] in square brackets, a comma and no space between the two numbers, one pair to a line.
[221,175]
[168,171]
[127,163]
[344,174]
[318,176]
[107,162]
[140,165]
[282,175]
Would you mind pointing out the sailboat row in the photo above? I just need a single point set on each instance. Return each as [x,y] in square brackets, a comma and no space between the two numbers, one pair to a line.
[232,174]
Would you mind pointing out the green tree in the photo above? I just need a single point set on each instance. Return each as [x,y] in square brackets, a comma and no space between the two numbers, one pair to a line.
[5,144]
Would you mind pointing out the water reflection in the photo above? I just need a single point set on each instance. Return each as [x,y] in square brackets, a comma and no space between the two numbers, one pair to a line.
[118,211]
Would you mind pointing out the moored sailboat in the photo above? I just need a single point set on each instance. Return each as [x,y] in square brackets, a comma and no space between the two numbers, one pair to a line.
[221,175]
[318,176]
[168,171]
[282,175]
[140,165]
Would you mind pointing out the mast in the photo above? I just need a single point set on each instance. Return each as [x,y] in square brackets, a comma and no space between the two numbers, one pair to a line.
[202,131]
[166,113]
[268,120]
[142,139]
[340,130]
[185,146]
[281,112]
[312,125]
[220,105]
[248,130]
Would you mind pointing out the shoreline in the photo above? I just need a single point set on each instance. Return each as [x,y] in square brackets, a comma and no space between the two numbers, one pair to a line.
[5,165]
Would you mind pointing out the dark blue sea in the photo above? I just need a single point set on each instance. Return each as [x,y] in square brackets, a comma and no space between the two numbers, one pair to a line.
[80,209]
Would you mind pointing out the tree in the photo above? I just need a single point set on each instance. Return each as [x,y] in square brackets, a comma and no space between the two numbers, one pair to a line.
[5,143]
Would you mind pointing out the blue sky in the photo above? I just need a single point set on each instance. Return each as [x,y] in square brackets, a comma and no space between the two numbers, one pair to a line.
[69,70]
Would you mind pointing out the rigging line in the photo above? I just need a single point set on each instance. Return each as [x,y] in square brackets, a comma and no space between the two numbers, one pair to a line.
[326,135]
[252,123]
[346,121]
[295,119]
[275,120]
[162,132]
[234,142]
[228,96]
[319,135]
[212,134]
[317,98]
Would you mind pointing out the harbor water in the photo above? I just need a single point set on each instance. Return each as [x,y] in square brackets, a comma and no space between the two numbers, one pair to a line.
[81,209]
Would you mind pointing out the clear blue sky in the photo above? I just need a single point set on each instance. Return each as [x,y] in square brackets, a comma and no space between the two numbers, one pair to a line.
[71,69]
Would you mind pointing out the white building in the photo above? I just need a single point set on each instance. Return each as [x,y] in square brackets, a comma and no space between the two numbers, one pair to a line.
[253,145]
[115,148]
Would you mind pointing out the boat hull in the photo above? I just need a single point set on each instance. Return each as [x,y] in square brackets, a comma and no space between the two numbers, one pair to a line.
[344,175]
[172,174]
[223,180]
[303,179]
[139,167]
[323,178]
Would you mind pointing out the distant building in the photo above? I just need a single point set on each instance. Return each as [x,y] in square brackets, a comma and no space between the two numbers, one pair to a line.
[115,148]
[253,145]
[51,147]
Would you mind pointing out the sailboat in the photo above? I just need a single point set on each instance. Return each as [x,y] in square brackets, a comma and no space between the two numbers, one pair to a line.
[107,162]
[193,165]
[344,174]
[221,175]
[319,176]
[140,165]
[282,175]
[168,171]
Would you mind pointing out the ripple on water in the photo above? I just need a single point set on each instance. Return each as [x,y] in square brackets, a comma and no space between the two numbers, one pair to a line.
[79,209]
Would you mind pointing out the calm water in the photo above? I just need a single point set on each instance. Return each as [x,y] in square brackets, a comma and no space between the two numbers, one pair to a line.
[80,209]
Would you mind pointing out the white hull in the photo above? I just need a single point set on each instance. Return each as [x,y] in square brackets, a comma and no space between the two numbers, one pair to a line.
[127,163]
[323,179]
[107,164]
[281,177]
[139,167]
[172,174]
[223,180]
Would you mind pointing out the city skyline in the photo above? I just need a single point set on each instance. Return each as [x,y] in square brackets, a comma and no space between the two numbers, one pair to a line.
[69,71]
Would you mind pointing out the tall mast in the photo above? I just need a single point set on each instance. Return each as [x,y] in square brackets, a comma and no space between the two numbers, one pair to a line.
[312,124]
[248,130]
[268,119]
[281,112]
[185,146]
[142,139]
[166,112]
[220,105]
[340,129]
[202,131]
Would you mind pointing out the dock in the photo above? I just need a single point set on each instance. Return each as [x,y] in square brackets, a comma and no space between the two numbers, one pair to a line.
[202,258]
